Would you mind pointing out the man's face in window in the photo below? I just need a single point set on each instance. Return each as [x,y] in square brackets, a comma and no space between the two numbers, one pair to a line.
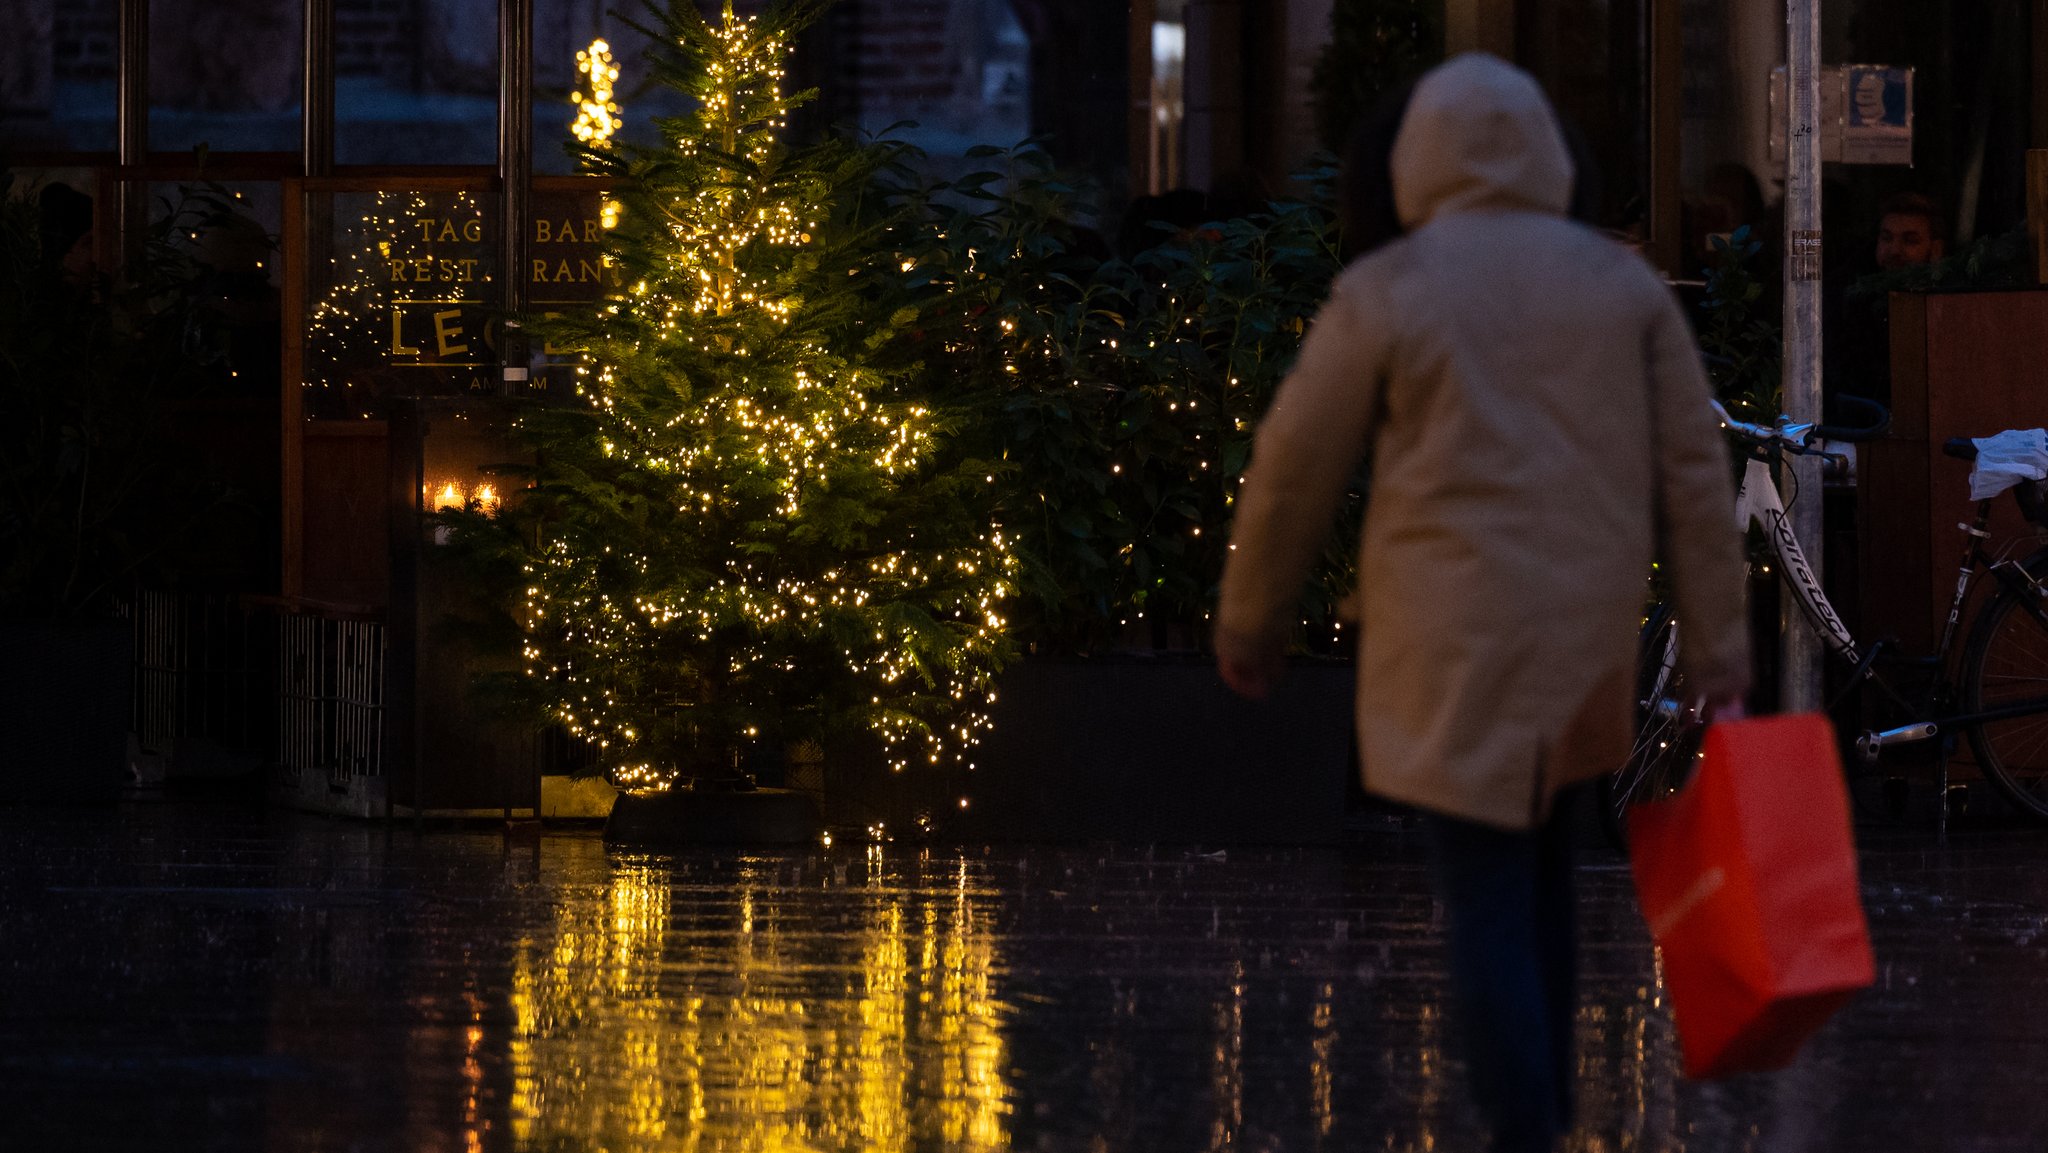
[1904,240]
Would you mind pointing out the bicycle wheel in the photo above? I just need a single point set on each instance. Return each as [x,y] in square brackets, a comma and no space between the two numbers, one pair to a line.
[1667,727]
[2006,664]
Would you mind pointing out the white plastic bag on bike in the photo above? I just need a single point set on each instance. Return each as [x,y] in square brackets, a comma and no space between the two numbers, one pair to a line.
[2006,459]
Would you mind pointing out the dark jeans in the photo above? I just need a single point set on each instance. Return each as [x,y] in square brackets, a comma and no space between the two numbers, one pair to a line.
[1513,968]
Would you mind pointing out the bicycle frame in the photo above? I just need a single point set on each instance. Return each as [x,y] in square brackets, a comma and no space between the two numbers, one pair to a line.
[1757,502]
[1671,717]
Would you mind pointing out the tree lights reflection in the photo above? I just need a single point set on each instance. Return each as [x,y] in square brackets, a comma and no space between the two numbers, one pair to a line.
[656,1014]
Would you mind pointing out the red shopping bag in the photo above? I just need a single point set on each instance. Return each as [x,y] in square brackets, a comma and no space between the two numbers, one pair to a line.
[1748,881]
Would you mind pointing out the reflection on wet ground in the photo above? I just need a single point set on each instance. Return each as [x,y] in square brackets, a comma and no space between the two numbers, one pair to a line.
[181,978]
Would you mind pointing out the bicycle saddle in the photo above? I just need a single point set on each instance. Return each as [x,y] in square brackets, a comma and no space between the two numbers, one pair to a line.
[2033,500]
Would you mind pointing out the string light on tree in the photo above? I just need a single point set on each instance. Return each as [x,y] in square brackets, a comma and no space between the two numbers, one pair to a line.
[597,116]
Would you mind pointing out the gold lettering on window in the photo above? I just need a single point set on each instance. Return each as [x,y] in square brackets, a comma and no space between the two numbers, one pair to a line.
[398,345]
[445,333]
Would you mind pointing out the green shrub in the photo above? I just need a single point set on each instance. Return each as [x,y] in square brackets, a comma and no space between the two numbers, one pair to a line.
[1120,395]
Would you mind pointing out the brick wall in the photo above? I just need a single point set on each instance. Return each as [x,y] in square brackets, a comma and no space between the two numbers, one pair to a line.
[377,38]
[371,38]
[905,53]
[85,48]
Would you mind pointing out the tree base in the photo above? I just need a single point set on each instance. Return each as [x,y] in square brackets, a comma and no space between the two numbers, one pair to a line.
[683,818]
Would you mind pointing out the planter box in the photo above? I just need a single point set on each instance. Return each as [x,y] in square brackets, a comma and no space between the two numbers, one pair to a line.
[683,819]
[1159,751]
[65,691]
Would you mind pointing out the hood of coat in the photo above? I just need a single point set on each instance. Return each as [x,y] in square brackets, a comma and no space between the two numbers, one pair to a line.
[1479,136]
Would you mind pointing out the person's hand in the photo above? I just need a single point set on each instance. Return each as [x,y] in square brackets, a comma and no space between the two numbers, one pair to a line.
[1251,670]
[1729,708]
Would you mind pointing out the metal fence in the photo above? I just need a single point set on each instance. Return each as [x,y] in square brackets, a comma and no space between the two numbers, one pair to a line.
[191,669]
[330,698]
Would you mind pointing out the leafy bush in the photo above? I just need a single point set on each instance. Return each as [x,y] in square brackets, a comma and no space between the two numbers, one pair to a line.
[1121,395]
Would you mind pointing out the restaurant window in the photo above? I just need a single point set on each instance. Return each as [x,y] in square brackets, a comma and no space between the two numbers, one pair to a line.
[399,296]
[228,231]
[1592,56]
[1168,104]
[1975,82]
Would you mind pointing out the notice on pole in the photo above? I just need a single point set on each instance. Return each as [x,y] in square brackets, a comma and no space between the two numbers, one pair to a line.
[1877,125]
[1804,254]
[1866,114]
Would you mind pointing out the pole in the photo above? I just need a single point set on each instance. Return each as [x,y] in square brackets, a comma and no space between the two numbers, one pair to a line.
[1800,671]
[131,140]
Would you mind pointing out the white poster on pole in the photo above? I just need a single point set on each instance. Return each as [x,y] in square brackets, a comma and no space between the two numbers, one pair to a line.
[1866,114]
[1877,125]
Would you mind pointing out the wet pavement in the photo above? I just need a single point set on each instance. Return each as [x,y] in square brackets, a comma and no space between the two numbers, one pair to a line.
[177,977]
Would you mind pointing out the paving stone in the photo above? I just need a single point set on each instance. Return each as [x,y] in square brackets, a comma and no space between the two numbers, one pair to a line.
[183,977]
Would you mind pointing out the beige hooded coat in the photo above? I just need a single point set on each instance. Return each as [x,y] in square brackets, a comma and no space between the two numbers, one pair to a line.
[1529,390]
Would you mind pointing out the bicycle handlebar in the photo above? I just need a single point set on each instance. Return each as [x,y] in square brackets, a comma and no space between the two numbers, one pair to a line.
[1880,421]
[1802,438]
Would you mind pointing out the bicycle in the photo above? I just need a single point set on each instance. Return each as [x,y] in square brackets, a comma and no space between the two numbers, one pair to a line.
[1997,696]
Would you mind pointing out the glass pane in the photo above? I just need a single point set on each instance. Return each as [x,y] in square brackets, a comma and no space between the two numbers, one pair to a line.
[1724,142]
[229,231]
[416,83]
[1977,70]
[399,296]
[965,80]
[1169,108]
[225,74]
[57,68]
[1591,56]
[567,266]
[561,30]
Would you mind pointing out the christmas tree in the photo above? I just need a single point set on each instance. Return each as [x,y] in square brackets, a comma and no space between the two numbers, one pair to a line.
[748,528]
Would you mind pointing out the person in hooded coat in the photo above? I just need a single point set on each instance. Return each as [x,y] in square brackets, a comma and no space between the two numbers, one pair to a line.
[1538,425]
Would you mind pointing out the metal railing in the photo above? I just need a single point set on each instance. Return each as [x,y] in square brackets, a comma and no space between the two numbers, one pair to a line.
[191,668]
[330,696]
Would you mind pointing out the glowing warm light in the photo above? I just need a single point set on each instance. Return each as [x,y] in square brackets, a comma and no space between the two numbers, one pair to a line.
[597,116]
